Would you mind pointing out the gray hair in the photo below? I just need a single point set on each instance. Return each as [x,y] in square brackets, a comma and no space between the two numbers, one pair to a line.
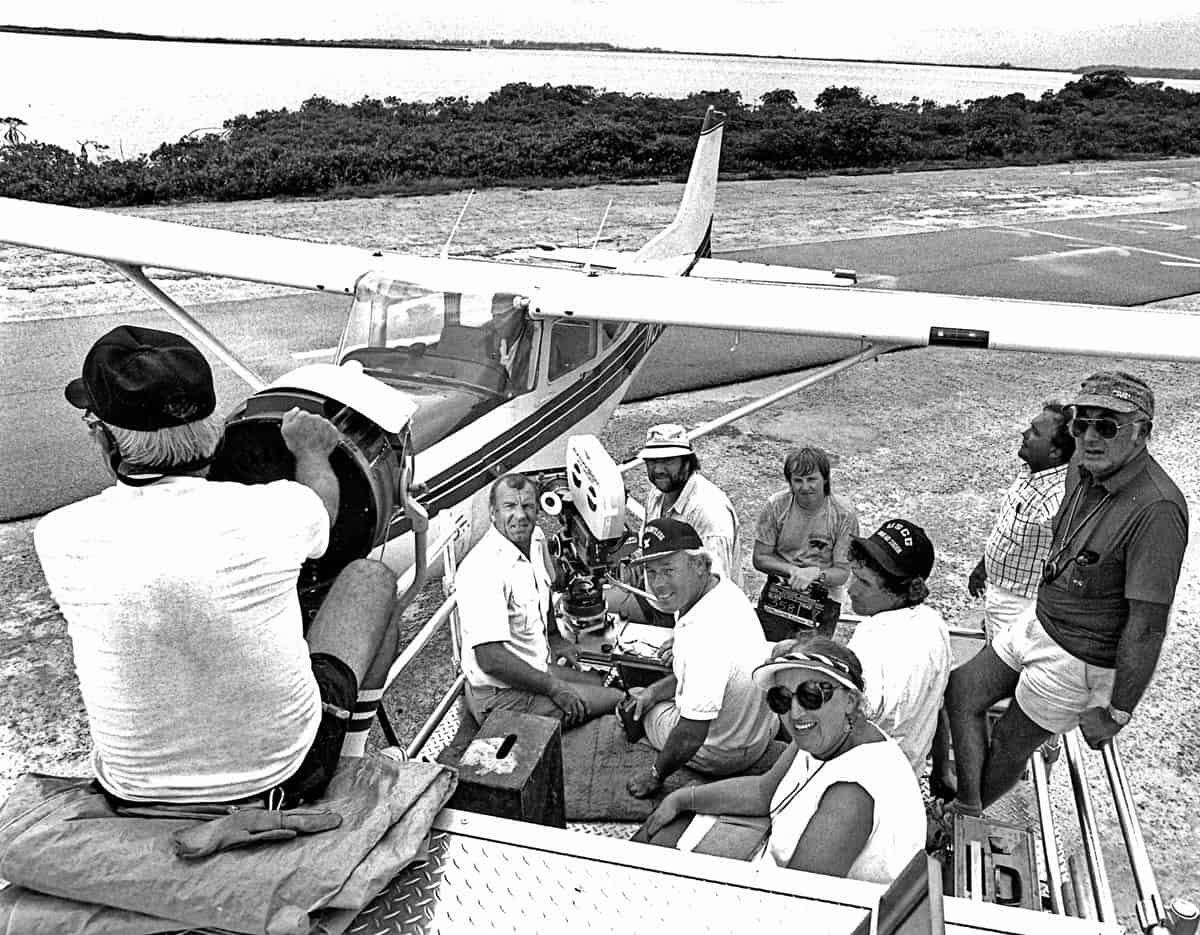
[701,555]
[164,448]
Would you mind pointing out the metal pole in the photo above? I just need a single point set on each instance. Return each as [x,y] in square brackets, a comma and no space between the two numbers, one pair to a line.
[136,276]
[436,716]
[1150,909]
[1089,833]
[870,352]
[1041,788]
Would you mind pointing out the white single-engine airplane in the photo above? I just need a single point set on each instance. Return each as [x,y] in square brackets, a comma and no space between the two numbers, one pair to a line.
[504,360]
[486,366]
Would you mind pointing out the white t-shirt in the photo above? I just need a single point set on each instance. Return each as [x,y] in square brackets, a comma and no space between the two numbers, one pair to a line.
[881,770]
[704,506]
[503,597]
[180,600]
[906,663]
[718,643]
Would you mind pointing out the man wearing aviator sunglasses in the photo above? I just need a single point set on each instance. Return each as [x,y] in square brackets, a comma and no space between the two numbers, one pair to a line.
[1087,652]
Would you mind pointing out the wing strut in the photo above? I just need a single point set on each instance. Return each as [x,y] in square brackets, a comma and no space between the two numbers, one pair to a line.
[869,352]
[136,276]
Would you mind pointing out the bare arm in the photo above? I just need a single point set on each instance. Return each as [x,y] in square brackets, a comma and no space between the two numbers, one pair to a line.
[311,439]
[1137,656]
[738,795]
[682,744]
[837,831]
[498,661]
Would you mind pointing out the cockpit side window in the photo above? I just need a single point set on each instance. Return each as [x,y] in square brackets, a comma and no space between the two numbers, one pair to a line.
[610,331]
[571,343]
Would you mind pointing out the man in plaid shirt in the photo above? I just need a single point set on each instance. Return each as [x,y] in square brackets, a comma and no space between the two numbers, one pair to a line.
[1008,574]
[1010,570]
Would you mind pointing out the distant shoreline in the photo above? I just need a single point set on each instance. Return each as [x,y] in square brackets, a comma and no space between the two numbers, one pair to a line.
[466,45]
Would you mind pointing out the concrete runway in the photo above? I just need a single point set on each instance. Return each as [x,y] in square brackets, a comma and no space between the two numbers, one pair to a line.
[1126,260]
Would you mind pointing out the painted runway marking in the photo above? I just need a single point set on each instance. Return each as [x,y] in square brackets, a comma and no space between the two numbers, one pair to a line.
[1093,242]
[1138,225]
[1081,251]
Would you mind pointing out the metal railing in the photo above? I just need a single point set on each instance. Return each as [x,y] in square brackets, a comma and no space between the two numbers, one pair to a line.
[1153,917]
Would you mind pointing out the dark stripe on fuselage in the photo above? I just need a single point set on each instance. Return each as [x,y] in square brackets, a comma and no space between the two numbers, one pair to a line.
[583,395]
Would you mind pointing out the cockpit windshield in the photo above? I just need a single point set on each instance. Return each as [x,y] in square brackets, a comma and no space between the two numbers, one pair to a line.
[466,352]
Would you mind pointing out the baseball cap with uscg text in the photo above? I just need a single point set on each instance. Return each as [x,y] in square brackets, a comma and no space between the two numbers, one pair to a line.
[901,547]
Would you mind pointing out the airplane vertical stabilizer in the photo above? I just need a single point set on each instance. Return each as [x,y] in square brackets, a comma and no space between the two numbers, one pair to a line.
[690,234]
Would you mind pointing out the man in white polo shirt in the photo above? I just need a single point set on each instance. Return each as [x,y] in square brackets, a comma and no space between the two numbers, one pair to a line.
[503,591]
[707,714]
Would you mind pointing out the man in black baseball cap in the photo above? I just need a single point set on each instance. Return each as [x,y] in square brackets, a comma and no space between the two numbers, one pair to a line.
[902,642]
[707,714]
[180,598]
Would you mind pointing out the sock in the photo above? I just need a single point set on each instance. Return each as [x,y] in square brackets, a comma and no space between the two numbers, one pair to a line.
[365,706]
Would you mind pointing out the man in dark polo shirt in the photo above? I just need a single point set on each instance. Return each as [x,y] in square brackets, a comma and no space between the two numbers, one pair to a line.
[1086,654]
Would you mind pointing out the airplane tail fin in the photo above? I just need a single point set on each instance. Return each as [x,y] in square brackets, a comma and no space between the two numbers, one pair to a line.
[689,236]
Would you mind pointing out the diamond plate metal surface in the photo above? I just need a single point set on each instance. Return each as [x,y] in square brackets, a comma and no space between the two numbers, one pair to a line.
[472,885]
[440,739]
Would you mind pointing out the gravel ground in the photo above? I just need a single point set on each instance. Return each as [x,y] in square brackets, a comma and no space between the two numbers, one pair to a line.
[928,434]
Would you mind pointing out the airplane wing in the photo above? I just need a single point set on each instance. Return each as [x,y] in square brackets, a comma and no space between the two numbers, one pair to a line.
[899,318]
[718,294]
[141,242]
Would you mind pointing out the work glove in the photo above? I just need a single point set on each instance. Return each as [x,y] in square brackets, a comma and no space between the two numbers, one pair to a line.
[248,827]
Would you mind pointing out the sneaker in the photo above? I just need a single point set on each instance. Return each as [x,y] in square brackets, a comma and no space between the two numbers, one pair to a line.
[634,729]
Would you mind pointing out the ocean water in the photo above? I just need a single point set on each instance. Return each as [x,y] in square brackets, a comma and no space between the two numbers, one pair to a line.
[132,95]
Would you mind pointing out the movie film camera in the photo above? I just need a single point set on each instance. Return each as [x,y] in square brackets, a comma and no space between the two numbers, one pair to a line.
[589,500]
[372,462]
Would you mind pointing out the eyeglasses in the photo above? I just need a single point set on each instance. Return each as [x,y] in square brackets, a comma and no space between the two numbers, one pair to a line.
[1105,427]
[810,694]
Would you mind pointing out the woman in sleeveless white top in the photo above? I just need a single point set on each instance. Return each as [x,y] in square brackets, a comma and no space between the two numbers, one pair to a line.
[842,799]
[881,769]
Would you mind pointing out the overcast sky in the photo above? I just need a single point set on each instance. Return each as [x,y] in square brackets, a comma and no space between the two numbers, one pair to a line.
[1045,33]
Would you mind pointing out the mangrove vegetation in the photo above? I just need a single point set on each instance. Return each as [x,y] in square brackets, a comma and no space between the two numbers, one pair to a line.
[527,135]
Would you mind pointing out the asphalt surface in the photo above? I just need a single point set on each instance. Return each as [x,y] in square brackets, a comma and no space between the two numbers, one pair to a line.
[1125,260]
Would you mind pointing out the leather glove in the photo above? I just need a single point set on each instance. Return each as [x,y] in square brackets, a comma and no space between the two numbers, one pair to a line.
[248,827]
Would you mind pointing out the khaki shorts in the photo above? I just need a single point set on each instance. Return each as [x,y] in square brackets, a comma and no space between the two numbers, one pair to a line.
[1054,687]
[713,761]
[484,700]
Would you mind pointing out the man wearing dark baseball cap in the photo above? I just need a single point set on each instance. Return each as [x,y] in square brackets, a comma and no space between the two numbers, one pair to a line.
[902,642]
[707,714]
[1087,652]
[180,593]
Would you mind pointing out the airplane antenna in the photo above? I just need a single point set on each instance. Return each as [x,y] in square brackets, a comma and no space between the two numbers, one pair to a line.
[587,269]
[457,221]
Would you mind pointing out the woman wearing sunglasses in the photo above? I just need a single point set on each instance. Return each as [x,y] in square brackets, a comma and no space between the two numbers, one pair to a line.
[842,799]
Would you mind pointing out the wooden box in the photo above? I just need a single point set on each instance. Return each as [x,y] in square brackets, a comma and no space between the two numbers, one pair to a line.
[514,769]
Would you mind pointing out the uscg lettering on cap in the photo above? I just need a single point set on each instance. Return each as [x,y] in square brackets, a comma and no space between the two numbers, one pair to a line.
[902,530]
[1121,394]
[652,535]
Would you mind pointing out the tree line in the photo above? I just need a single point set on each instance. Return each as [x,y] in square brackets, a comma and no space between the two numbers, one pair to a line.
[540,135]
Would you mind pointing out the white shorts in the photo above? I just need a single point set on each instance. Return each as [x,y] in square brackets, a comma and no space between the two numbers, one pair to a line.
[1054,687]
[1002,608]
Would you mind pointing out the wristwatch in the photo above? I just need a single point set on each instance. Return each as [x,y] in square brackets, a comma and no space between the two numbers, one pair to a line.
[1119,717]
